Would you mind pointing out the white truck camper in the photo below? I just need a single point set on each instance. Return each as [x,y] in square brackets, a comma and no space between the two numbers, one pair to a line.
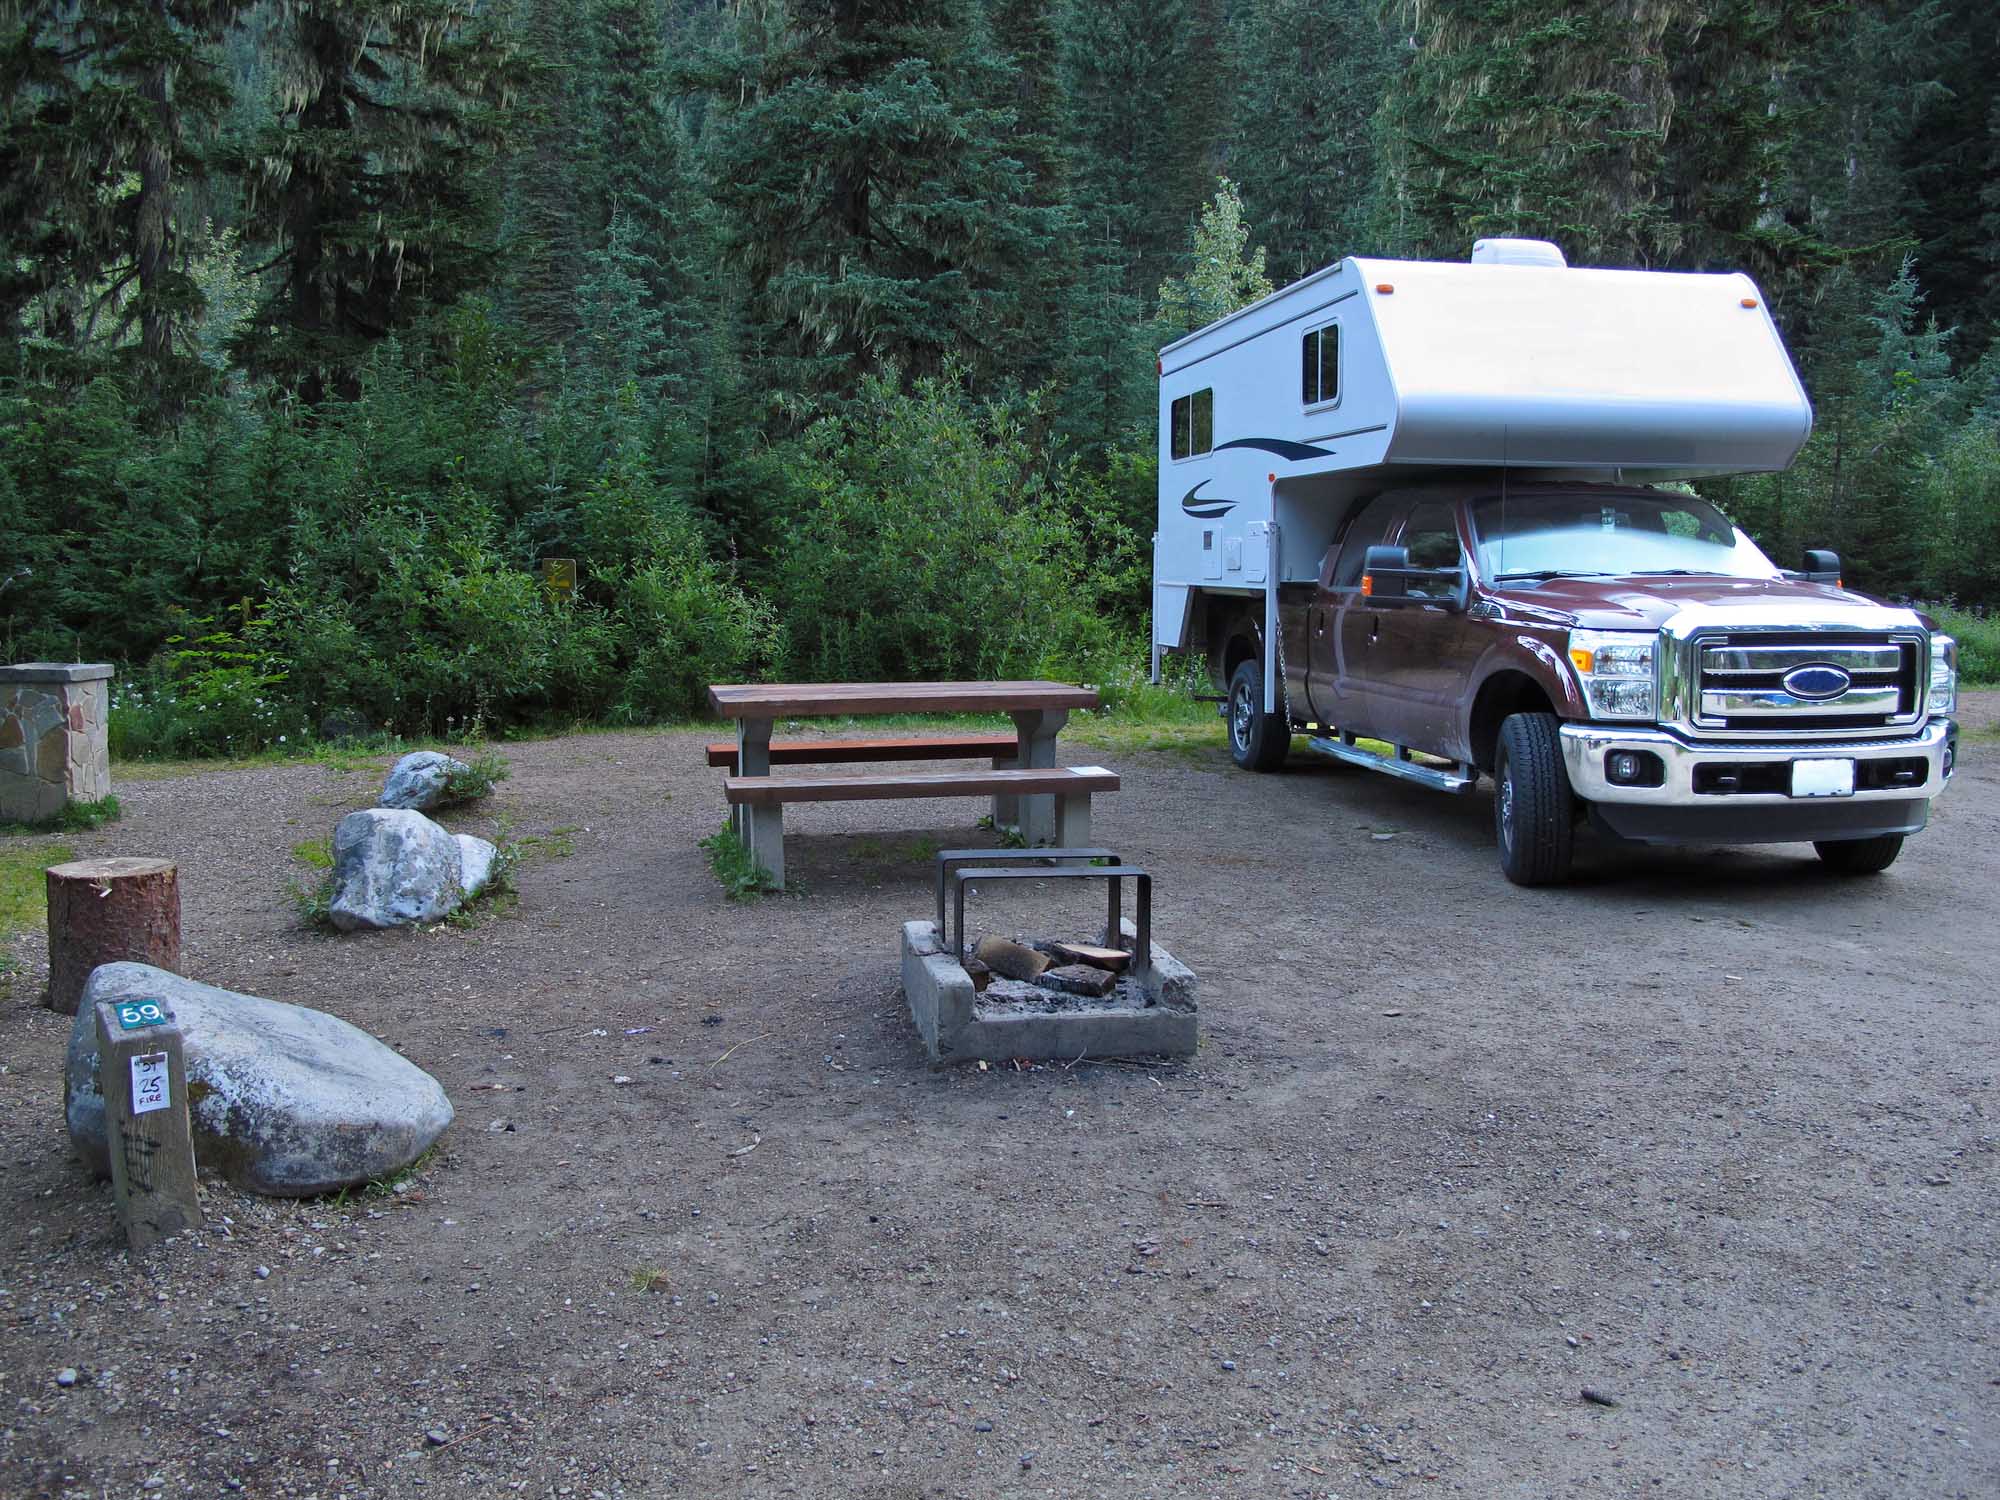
[1276,420]
[1430,507]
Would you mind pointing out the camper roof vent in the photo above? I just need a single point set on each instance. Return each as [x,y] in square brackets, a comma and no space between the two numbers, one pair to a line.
[1517,253]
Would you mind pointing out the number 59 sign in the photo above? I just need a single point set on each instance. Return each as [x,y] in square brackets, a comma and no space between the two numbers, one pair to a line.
[132,1014]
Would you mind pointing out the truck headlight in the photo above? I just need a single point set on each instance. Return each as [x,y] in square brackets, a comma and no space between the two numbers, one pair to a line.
[1616,671]
[1944,675]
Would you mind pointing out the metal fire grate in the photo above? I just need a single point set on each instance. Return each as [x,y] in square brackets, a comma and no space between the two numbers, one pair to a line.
[957,868]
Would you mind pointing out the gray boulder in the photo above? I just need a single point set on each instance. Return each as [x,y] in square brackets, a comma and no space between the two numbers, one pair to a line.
[283,1100]
[416,782]
[475,863]
[393,867]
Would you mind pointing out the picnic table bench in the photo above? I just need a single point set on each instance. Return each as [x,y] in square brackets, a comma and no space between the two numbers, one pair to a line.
[1048,803]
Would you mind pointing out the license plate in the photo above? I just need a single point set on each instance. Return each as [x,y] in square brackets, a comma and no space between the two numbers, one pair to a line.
[1822,778]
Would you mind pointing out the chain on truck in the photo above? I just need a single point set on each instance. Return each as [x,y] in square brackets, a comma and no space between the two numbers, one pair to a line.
[1437,518]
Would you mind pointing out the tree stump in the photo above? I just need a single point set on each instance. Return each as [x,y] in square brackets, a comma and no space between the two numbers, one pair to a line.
[104,911]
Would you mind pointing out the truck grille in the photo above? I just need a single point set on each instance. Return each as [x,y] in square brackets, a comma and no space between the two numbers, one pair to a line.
[1806,683]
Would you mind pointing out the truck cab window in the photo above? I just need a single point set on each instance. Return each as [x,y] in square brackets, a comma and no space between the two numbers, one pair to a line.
[1363,532]
[1432,537]
[1192,424]
[1319,361]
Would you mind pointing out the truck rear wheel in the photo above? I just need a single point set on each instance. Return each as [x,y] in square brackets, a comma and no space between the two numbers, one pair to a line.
[1534,811]
[1257,740]
[1861,856]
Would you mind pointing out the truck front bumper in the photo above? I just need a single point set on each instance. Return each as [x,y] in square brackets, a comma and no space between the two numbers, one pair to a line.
[1740,793]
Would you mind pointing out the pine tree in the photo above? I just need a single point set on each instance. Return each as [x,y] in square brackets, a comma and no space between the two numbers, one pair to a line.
[1949,163]
[1638,132]
[872,201]
[1146,83]
[1312,78]
[372,181]
[104,109]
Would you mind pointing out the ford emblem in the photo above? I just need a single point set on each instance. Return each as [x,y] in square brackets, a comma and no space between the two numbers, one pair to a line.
[1818,681]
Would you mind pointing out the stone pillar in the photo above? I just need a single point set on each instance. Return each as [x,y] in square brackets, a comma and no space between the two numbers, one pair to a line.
[54,747]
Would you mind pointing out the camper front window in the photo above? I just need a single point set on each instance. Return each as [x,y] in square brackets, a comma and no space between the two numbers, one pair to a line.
[1319,364]
[1193,424]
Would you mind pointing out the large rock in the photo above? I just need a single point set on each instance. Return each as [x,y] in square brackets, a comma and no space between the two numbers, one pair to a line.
[283,1100]
[476,858]
[417,781]
[391,868]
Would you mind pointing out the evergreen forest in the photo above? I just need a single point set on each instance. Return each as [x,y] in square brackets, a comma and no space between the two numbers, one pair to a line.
[820,334]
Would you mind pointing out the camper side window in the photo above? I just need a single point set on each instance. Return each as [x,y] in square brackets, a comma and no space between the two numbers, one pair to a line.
[1193,423]
[1319,362]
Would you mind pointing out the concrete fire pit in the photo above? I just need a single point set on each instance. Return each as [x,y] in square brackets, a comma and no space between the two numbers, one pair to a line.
[965,1013]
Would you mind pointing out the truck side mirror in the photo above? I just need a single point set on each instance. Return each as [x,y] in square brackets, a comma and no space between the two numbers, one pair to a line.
[1382,572]
[1822,566]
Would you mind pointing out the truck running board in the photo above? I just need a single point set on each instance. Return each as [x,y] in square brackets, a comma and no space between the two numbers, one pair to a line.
[1446,778]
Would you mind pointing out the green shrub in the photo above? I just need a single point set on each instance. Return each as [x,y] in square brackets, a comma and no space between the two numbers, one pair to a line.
[933,538]
[743,879]
[483,770]
[213,694]
[1978,638]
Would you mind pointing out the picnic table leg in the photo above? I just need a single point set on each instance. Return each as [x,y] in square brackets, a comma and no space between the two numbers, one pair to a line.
[764,834]
[1073,821]
[1006,806]
[753,758]
[1037,729]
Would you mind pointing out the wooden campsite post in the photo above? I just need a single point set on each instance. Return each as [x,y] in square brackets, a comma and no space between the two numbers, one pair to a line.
[105,911]
[142,1073]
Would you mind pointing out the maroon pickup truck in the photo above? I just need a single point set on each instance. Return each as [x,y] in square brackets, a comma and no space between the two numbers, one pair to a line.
[1606,652]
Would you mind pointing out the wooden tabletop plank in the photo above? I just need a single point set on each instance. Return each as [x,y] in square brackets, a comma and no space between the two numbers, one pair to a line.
[843,751]
[779,700]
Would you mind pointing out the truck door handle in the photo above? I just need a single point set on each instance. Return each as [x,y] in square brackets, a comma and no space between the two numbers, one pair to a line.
[1374,627]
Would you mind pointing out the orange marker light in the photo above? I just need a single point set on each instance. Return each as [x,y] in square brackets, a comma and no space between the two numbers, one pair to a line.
[1271,478]
[1385,288]
[1583,659]
[1367,584]
[1749,301]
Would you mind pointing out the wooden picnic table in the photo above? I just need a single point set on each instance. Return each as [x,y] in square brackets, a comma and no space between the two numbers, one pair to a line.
[1039,711]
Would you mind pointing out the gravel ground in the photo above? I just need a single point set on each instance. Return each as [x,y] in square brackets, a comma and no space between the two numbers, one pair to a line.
[1707,1134]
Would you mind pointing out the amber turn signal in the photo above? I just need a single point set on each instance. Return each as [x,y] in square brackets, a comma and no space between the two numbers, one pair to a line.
[1581,655]
[1367,584]
[1384,287]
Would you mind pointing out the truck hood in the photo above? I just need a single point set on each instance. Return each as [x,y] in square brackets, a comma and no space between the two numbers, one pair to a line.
[1648,601]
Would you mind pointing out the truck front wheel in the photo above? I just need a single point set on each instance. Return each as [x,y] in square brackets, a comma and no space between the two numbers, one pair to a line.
[1861,856]
[1257,740]
[1533,807]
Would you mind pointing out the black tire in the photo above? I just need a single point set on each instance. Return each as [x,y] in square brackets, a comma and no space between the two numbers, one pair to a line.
[1534,811]
[1257,741]
[1861,856]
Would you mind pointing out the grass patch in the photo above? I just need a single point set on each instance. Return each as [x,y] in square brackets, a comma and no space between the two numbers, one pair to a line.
[557,843]
[650,1279]
[76,817]
[315,852]
[23,890]
[742,878]
[24,894]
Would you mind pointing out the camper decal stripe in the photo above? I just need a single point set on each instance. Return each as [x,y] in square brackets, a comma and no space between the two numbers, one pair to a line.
[1209,509]
[1279,446]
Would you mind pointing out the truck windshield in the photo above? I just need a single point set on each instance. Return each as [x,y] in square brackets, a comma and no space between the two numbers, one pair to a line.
[1550,535]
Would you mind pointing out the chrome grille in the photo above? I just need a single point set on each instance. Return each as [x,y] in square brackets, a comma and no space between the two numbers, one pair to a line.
[1806,683]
